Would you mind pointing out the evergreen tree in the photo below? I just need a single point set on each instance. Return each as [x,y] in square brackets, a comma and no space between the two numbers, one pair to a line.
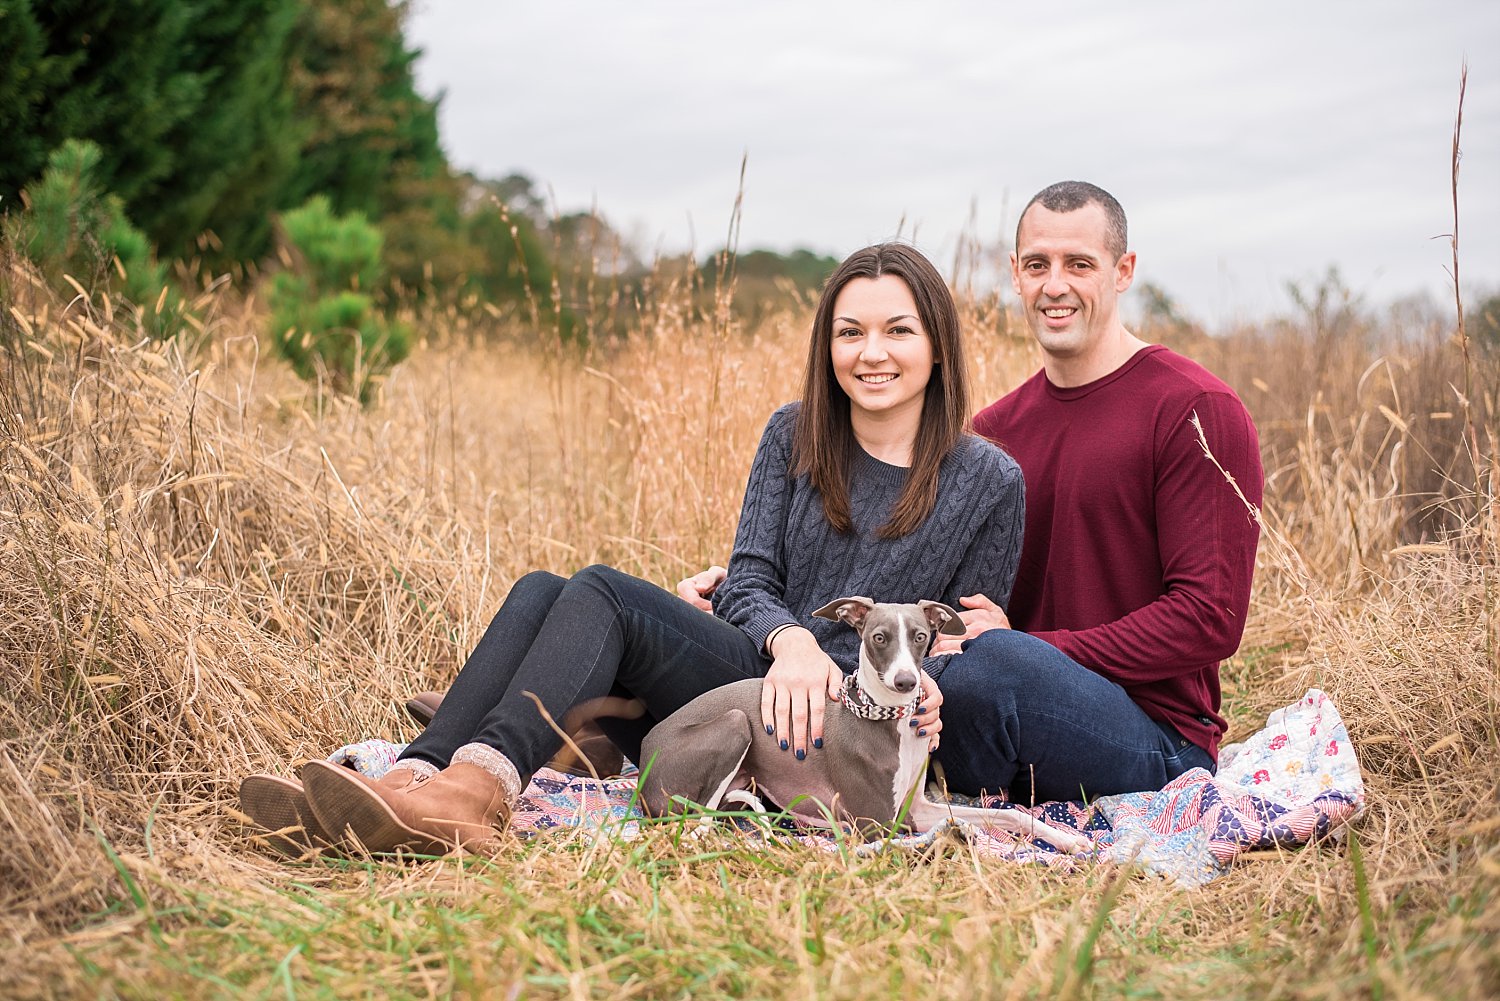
[73,227]
[511,263]
[187,103]
[214,115]
[322,315]
[235,155]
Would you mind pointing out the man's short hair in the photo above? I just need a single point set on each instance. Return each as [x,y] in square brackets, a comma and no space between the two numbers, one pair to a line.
[1070,196]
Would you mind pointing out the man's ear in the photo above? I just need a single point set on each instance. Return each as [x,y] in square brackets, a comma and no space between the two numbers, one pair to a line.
[1015,273]
[1124,270]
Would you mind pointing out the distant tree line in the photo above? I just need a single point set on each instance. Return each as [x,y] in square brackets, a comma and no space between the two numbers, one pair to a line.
[218,134]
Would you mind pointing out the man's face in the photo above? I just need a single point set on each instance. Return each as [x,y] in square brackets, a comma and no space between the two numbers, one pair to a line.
[1068,281]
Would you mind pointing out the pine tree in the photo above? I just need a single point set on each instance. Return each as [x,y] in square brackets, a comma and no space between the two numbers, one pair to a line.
[188,105]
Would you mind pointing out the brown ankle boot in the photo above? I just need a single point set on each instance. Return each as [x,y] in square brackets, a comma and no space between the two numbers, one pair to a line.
[598,751]
[279,807]
[423,706]
[332,790]
[462,806]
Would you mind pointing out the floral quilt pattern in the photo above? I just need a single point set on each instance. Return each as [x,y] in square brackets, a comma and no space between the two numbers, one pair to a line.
[1292,783]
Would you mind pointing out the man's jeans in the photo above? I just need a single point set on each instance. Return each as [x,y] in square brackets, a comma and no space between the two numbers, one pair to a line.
[1020,715]
[601,632]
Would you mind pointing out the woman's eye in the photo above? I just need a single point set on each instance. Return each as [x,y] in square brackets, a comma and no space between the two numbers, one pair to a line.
[847,332]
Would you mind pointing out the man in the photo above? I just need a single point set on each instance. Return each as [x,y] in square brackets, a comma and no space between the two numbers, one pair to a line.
[1103,674]
[1135,574]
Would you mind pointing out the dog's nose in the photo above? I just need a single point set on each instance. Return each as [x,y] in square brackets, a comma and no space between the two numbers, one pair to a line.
[904,682]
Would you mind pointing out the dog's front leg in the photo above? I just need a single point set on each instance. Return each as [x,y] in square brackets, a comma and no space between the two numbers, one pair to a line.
[926,814]
[744,797]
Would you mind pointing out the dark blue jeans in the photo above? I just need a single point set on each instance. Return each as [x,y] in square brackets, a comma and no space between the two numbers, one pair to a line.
[600,632]
[1020,715]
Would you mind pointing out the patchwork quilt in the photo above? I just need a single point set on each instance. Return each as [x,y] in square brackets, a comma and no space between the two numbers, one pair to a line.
[1294,782]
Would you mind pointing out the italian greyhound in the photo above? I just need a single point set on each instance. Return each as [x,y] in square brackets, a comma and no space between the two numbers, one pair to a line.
[872,768]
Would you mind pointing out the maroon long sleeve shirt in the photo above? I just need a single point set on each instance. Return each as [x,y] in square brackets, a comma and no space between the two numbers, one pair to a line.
[1138,553]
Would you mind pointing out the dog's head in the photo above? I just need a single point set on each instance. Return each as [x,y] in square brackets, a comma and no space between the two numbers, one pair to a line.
[893,640]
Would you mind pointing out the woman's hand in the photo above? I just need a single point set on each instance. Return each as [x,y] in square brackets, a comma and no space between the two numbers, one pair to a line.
[797,688]
[927,721]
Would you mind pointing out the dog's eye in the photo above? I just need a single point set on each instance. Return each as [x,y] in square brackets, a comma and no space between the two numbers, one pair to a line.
[878,639]
[921,637]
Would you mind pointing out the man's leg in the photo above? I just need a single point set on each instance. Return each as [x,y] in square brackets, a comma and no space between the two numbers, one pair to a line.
[608,632]
[1019,714]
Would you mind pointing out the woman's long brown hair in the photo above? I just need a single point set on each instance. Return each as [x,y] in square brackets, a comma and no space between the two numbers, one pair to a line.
[823,444]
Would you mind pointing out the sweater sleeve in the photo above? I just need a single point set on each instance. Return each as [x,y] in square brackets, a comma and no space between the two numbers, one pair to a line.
[989,564]
[1206,538]
[752,595]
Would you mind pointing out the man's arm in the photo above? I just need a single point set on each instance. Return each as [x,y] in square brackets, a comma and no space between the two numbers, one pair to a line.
[983,581]
[700,587]
[1207,539]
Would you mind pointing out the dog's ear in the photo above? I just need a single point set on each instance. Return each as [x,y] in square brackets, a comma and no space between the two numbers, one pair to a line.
[851,610]
[942,618]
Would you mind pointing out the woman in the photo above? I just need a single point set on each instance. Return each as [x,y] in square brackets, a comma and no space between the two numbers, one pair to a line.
[869,485]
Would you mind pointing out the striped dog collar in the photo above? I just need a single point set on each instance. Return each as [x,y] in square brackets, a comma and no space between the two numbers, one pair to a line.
[857,702]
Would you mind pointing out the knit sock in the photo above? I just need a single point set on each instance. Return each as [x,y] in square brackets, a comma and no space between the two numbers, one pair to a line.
[495,763]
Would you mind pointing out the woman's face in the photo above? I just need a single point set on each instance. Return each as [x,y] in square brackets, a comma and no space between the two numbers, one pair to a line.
[882,355]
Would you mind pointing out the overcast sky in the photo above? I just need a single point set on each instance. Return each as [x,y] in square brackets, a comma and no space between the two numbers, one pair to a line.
[1251,144]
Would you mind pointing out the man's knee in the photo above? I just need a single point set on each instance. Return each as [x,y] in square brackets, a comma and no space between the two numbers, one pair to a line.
[1014,660]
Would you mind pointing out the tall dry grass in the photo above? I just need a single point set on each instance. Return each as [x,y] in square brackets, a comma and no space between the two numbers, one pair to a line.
[208,567]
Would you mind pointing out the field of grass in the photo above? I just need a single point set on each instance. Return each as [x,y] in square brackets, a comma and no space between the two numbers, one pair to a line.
[209,568]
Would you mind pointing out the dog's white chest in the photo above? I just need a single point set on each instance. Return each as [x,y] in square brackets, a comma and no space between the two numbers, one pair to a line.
[911,762]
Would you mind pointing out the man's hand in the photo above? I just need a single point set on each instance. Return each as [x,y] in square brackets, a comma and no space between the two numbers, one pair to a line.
[797,688]
[927,721]
[697,589]
[981,616]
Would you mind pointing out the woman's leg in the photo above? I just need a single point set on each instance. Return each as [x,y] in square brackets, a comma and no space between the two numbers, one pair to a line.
[603,630]
[608,632]
[1019,714]
[489,670]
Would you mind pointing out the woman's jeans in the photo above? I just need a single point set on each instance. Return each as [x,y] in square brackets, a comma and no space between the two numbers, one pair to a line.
[601,632]
[1020,715]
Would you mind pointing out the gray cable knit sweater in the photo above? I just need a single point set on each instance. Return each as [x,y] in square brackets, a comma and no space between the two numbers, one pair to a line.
[788,561]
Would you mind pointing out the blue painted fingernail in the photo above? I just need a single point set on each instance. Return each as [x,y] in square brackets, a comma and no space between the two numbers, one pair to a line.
[817,742]
[912,723]
[801,754]
[921,733]
[921,709]
[783,745]
[770,728]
